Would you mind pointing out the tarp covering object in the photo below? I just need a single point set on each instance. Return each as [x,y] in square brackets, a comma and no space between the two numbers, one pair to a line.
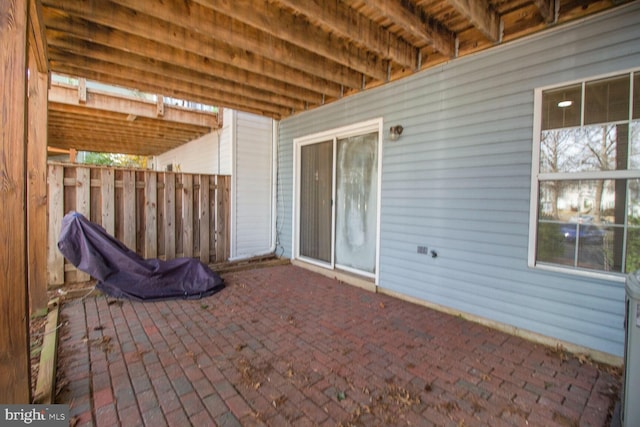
[122,273]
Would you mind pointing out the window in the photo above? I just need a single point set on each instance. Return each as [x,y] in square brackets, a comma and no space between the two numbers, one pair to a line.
[586,176]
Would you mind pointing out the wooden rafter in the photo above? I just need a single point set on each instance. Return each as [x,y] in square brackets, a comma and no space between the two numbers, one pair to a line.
[281,57]
[37,38]
[103,101]
[349,25]
[221,27]
[547,9]
[425,30]
[299,32]
[481,16]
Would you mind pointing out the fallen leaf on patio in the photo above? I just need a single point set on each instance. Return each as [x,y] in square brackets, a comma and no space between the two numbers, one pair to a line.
[279,401]
[257,386]
[584,359]
[115,302]
[204,306]
[341,396]
[240,347]
[289,372]
[381,305]
[98,328]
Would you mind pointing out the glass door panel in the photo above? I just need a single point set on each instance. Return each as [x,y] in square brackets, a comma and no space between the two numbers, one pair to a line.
[316,187]
[356,202]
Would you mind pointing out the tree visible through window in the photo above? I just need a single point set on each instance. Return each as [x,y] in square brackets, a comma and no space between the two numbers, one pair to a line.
[588,175]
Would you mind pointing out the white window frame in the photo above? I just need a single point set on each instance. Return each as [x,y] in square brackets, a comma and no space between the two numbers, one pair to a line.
[537,176]
[373,125]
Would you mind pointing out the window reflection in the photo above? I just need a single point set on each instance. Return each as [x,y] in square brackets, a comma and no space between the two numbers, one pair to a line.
[581,223]
[606,100]
[561,107]
[589,148]
[592,129]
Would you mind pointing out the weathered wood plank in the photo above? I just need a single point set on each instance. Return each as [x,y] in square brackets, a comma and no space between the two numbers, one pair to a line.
[129,209]
[37,187]
[187,215]
[175,213]
[222,218]
[14,332]
[55,260]
[204,219]
[83,203]
[107,184]
[37,37]
[169,215]
[150,215]
[45,383]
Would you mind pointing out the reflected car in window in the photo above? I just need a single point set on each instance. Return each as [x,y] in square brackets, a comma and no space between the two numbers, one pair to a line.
[584,228]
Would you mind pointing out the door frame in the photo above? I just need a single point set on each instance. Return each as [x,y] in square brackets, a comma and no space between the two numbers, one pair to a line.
[369,126]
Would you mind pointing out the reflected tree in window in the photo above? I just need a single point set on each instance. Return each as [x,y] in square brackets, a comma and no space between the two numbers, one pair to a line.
[554,147]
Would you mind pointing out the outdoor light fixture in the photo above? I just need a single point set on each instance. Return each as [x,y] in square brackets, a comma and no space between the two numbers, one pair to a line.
[395,132]
[565,104]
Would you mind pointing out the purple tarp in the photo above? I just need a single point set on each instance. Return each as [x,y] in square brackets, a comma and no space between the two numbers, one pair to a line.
[122,273]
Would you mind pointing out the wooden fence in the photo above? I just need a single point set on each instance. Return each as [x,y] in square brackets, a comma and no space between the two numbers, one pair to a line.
[157,214]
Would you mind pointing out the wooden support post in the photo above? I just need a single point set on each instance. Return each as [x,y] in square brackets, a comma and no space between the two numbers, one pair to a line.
[14,314]
[37,187]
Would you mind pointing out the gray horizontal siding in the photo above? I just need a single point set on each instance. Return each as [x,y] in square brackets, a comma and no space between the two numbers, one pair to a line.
[458,180]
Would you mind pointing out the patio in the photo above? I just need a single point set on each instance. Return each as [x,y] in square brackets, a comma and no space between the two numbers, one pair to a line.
[285,346]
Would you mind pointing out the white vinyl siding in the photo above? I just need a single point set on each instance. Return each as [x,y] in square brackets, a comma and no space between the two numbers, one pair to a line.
[458,180]
[198,156]
[252,186]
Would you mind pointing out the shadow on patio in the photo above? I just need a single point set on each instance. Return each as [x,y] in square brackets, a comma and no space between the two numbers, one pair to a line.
[285,346]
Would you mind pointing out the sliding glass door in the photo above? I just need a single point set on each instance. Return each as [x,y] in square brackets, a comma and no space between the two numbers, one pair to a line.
[338,201]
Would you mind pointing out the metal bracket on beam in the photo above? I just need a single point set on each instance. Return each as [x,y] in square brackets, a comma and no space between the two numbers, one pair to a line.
[159,106]
[82,91]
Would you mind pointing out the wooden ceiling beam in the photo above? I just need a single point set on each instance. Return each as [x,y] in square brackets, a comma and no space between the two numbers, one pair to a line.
[78,113]
[241,36]
[175,44]
[67,141]
[148,82]
[351,25]
[296,30]
[547,9]
[115,131]
[122,125]
[140,124]
[429,32]
[37,39]
[186,71]
[118,77]
[117,103]
[481,16]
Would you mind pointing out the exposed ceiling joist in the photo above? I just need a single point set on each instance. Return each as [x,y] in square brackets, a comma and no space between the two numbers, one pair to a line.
[107,102]
[420,27]
[481,16]
[346,23]
[281,57]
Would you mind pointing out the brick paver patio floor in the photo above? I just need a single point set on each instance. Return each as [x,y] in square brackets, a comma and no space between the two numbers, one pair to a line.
[285,346]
